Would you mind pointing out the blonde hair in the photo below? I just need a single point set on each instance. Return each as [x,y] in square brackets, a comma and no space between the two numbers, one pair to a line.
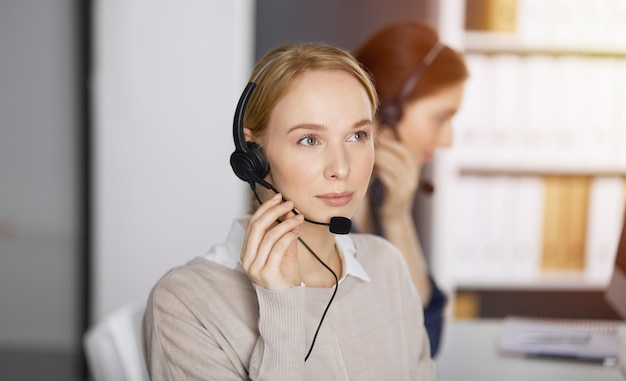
[278,68]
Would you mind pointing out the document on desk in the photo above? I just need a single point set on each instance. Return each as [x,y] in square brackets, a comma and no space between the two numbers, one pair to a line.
[571,339]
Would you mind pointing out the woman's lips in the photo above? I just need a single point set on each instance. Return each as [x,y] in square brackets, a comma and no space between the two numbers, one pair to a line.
[336,199]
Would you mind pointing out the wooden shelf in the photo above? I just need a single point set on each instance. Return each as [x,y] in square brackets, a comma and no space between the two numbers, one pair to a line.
[503,43]
[547,281]
[520,169]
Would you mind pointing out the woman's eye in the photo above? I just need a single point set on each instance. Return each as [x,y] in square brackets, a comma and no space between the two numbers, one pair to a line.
[443,119]
[358,136]
[308,141]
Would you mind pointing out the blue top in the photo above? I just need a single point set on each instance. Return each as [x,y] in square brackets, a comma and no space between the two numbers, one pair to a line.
[433,311]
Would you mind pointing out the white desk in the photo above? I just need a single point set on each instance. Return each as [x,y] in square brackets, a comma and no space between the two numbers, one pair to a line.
[469,352]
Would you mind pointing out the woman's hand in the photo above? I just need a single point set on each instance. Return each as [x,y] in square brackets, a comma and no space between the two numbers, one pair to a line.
[269,255]
[399,173]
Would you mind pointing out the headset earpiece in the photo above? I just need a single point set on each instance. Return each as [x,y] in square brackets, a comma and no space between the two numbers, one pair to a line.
[248,161]
[250,165]
[389,112]
[257,156]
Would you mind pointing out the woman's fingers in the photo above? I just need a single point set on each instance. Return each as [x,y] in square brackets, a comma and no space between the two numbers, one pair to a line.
[258,223]
[395,150]
[281,268]
[269,254]
[395,162]
[270,243]
[399,173]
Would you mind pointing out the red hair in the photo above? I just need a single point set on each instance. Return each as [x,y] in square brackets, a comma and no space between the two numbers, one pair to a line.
[393,54]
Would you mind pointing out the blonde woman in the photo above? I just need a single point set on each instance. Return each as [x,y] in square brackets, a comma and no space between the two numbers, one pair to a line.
[259,305]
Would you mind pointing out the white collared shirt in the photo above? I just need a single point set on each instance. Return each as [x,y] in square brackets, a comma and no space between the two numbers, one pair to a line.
[228,254]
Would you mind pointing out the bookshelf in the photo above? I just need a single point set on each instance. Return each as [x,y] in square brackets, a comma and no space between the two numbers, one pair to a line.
[531,196]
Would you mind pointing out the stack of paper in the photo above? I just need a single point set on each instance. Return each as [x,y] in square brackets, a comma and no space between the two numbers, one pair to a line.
[572,339]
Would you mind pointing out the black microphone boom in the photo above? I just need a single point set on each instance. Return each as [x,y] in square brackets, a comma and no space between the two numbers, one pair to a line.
[337,225]
[340,225]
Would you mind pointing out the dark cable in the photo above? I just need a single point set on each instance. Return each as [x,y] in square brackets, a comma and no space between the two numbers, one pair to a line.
[253,186]
[329,302]
[319,326]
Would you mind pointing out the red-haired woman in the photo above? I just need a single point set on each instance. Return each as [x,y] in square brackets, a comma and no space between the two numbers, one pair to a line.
[420,83]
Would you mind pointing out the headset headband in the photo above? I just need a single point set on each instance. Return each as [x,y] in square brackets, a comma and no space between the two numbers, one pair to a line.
[390,110]
[419,72]
[240,111]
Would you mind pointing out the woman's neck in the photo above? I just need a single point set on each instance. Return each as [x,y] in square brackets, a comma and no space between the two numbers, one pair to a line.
[364,216]
[322,242]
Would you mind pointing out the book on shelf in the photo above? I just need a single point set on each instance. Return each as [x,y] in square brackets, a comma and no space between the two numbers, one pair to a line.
[565,222]
[614,294]
[604,224]
[491,15]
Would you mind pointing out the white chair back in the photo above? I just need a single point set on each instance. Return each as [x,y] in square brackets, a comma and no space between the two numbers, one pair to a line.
[113,346]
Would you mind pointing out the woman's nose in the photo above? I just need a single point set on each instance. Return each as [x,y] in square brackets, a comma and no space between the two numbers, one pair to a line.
[445,137]
[338,163]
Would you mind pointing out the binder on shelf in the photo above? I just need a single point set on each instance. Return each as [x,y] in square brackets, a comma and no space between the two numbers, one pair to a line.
[565,222]
[597,108]
[527,227]
[604,224]
[619,129]
[540,93]
[567,339]
[507,109]
[535,21]
[470,121]
[468,226]
[498,215]
[570,118]
[618,25]
[491,15]
[614,293]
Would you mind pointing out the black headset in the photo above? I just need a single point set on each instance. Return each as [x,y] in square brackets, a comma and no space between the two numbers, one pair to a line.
[248,161]
[390,109]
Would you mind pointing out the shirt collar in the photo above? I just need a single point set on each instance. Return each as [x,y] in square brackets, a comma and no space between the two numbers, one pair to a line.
[234,244]
[351,265]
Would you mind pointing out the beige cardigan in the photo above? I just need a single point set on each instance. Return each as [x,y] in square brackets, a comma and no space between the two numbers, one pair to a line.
[207,321]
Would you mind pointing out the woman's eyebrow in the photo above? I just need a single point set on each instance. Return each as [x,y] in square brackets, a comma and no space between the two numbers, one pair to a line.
[320,127]
[363,122]
[307,126]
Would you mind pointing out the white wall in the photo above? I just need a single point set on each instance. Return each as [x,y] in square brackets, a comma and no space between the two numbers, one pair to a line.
[39,176]
[167,76]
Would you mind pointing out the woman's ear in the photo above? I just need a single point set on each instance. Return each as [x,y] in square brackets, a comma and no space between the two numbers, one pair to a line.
[247,133]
